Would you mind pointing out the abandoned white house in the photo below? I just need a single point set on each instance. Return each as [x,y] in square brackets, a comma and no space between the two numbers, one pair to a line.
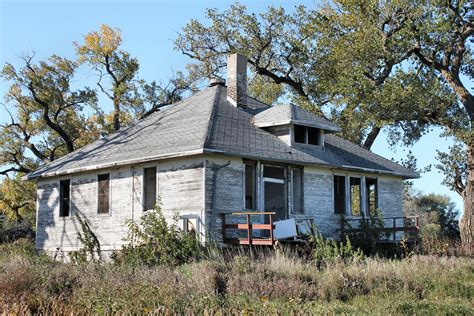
[216,152]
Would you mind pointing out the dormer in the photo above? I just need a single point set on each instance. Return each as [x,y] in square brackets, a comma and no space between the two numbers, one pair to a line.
[295,126]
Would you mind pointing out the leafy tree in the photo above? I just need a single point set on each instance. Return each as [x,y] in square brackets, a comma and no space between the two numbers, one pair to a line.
[440,37]
[132,97]
[46,122]
[17,199]
[101,51]
[434,209]
[46,118]
[321,60]
[369,64]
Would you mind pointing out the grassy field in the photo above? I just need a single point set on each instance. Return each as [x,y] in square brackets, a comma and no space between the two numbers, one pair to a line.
[275,283]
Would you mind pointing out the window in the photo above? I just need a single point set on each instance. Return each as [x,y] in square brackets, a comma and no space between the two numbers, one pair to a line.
[103,193]
[300,134]
[339,194]
[371,191]
[297,183]
[149,182]
[313,136]
[191,224]
[356,209]
[250,187]
[65,197]
[274,172]
[307,135]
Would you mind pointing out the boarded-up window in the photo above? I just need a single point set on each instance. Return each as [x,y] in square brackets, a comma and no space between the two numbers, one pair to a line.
[103,193]
[250,180]
[150,188]
[339,194]
[65,197]
[297,183]
[356,209]
[371,191]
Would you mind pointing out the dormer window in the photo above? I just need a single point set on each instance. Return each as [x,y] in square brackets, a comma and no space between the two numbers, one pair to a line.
[307,135]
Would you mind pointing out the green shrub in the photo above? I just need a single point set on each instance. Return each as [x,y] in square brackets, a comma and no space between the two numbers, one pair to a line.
[24,247]
[324,251]
[151,241]
[369,232]
[90,250]
[430,231]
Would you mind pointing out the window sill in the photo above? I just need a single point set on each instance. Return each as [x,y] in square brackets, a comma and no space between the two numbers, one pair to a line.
[104,214]
[308,146]
[355,216]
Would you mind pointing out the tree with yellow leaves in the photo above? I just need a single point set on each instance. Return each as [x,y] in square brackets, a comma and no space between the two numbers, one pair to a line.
[101,50]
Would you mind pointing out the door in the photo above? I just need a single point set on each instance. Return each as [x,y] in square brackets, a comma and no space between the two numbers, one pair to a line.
[274,191]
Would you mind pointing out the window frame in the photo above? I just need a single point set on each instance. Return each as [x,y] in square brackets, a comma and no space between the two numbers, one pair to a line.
[344,210]
[144,208]
[69,199]
[363,194]
[302,210]
[367,196]
[361,210]
[184,224]
[319,137]
[108,213]
[253,165]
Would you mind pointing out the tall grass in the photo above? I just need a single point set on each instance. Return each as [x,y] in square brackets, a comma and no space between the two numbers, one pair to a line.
[258,282]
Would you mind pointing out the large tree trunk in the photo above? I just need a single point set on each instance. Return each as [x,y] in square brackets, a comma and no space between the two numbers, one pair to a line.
[116,113]
[466,222]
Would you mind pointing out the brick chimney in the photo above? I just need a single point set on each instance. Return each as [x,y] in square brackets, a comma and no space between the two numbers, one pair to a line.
[237,80]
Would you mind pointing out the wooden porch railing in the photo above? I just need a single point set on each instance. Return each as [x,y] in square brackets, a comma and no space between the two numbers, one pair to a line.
[411,224]
[249,228]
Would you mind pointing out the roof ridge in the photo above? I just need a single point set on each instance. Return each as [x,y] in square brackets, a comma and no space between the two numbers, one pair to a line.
[210,124]
[292,110]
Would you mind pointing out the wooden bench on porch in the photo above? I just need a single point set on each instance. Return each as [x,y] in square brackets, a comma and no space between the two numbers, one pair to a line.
[249,227]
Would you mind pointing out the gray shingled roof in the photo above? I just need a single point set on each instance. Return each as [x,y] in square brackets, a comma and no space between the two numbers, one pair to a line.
[290,113]
[208,123]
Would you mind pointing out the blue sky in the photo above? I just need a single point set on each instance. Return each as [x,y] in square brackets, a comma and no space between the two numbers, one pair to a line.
[148,31]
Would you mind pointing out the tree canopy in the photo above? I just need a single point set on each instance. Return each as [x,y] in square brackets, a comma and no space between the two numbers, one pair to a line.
[366,64]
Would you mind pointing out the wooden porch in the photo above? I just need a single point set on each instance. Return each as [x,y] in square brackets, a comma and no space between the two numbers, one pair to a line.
[248,223]
[408,225]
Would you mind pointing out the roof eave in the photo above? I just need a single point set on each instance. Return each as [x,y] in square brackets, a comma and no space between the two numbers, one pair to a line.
[33,176]
[344,167]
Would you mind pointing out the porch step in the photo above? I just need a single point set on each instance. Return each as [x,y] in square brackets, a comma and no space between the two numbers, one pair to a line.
[254,241]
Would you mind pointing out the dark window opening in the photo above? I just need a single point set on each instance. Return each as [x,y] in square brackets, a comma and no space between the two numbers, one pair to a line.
[103,193]
[274,172]
[65,197]
[371,191]
[250,180]
[356,209]
[300,134]
[339,194]
[313,136]
[307,135]
[297,182]
[149,175]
